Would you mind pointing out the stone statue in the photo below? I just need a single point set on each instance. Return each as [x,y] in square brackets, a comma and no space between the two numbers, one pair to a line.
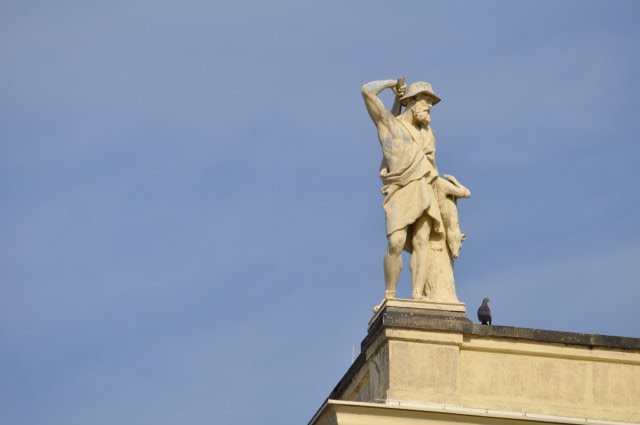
[420,207]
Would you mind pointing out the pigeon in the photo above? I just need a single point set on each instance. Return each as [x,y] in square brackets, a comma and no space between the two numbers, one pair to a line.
[484,312]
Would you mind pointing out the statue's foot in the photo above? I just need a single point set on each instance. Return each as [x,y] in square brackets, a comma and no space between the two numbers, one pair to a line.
[417,296]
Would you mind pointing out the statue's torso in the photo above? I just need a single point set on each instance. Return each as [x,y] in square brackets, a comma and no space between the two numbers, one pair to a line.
[408,146]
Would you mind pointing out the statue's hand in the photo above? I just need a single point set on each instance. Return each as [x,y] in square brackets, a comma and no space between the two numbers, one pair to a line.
[401,87]
[465,192]
[452,179]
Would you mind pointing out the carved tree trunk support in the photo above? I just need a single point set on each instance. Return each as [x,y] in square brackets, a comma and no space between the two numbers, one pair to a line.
[440,285]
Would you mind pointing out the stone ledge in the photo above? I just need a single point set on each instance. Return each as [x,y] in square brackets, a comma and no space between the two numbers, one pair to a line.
[438,413]
[437,320]
[569,338]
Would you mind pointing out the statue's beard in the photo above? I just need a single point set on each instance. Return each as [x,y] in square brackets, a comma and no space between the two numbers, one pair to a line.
[421,114]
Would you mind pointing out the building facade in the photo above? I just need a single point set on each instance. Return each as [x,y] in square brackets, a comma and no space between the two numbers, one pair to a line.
[429,364]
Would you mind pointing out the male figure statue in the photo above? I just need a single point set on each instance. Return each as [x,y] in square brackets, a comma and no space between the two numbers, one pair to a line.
[410,180]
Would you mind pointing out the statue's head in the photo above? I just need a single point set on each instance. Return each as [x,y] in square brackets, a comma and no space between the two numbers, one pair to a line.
[419,99]
[419,89]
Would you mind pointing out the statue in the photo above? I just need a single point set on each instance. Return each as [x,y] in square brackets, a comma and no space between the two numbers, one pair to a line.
[420,206]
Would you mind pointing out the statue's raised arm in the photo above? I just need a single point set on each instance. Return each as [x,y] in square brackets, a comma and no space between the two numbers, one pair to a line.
[374,105]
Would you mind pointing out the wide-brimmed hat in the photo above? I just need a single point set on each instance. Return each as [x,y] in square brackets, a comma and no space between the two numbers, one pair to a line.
[417,88]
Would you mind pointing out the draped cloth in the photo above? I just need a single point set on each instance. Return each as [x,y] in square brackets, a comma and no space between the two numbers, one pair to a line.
[408,190]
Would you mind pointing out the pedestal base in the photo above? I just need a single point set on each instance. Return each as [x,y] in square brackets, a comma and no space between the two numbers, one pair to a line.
[421,306]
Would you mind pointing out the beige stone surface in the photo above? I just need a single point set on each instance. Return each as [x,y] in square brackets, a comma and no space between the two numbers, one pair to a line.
[433,378]
[420,206]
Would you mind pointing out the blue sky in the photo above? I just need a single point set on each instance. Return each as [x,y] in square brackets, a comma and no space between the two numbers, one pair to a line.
[191,221]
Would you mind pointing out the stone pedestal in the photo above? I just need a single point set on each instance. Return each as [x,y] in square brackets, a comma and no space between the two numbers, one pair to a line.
[453,309]
[427,363]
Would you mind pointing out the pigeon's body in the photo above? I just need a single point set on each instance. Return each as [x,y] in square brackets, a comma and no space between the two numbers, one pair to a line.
[484,312]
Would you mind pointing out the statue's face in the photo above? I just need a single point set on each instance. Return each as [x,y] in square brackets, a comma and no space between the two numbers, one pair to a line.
[421,110]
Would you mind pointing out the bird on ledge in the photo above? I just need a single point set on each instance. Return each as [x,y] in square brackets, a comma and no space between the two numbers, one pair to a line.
[484,312]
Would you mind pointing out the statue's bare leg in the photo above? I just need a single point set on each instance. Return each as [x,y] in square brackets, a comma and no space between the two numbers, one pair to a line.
[393,261]
[420,256]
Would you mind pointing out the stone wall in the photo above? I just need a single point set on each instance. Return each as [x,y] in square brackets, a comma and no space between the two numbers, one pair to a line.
[434,359]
